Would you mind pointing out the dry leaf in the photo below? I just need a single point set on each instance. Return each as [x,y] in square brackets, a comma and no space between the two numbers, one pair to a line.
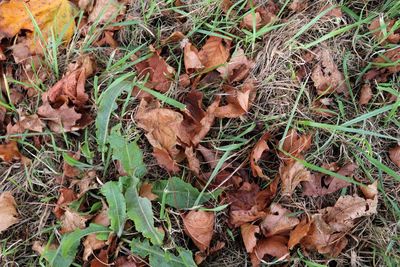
[295,145]
[256,153]
[382,73]
[146,191]
[50,16]
[191,58]
[298,5]
[215,52]
[249,232]
[252,20]
[326,76]
[277,221]
[193,161]
[165,160]
[175,37]
[378,33]
[72,220]
[291,175]
[370,191]
[62,119]
[9,152]
[335,12]
[66,196]
[26,122]
[71,171]
[394,155]
[238,67]
[8,211]
[199,226]
[321,184]
[275,246]
[239,101]
[104,10]
[299,232]
[91,243]
[365,94]
[101,259]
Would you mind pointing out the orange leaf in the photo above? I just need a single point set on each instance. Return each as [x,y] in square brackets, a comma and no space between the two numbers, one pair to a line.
[299,232]
[291,175]
[199,226]
[191,58]
[9,152]
[365,94]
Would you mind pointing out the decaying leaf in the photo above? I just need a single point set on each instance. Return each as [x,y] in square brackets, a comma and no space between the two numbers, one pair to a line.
[365,94]
[256,153]
[175,37]
[275,246]
[51,16]
[326,76]
[370,191]
[199,226]
[26,122]
[321,184]
[71,171]
[191,58]
[72,220]
[249,232]
[9,152]
[264,14]
[378,26]
[298,5]
[239,101]
[8,211]
[394,155]
[277,221]
[103,10]
[238,67]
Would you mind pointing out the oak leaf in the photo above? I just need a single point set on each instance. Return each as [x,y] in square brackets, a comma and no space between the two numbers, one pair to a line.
[8,211]
[199,226]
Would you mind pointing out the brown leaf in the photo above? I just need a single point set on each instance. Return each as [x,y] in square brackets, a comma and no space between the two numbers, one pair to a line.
[91,243]
[291,175]
[370,191]
[299,232]
[256,153]
[394,155]
[335,12]
[298,5]
[238,67]
[341,217]
[295,145]
[382,73]
[103,10]
[375,28]
[66,196]
[275,246]
[175,37]
[101,260]
[215,52]
[249,232]
[200,256]
[277,221]
[9,152]
[199,226]
[72,220]
[206,122]
[8,211]
[251,20]
[193,161]
[239,101]
[321,184]
[326,76]
[365,94]
[62,119]
[26,122]
[71,171]
[191,58]
[146,191]
[165,160]
[159,73]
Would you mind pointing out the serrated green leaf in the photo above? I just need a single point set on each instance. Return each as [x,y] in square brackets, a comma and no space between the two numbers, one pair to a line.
[161,258]
[107,104]
[179,194]
[65,254]
[140,212]
[117,206]
[128,153]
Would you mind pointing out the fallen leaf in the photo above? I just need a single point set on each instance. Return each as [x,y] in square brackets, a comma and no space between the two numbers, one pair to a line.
[298,5]
[382,73]
[365,94]
[175,37]
[321,184]
[206,122]
[199,226]
[215,52]
[66,196]
[191,58]
[146,191]
[394,155]
[193,161]
[292,174]
[299,232]
[249,232]
[256,153]
[370,191]
[71,171]
[275,246]
[62,119]
[326,76]
[51,16]
[264,14]
[295,145]
[26,122]
[277,221]
[104,10]
[101,259]
[239,101]
[238,67]
[335,12]
[9,152]
[8,211]
[91,243]
[72,220]
[201,256]
[165,160]
[159,73]
[380,35]
[252,20]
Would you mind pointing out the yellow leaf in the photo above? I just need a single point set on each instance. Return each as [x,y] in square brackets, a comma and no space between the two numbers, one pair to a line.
[49,15]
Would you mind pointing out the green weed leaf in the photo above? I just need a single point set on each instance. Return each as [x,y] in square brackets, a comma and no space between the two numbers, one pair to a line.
[117,206]
[140,212]
[161,258]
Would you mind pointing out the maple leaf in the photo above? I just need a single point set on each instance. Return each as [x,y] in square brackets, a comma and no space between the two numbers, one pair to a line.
[8,211]
[199,226]
[50,16]
[277,221]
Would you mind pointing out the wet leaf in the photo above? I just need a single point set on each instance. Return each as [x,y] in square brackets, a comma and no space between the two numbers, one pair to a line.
[8,211]
[199,226]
